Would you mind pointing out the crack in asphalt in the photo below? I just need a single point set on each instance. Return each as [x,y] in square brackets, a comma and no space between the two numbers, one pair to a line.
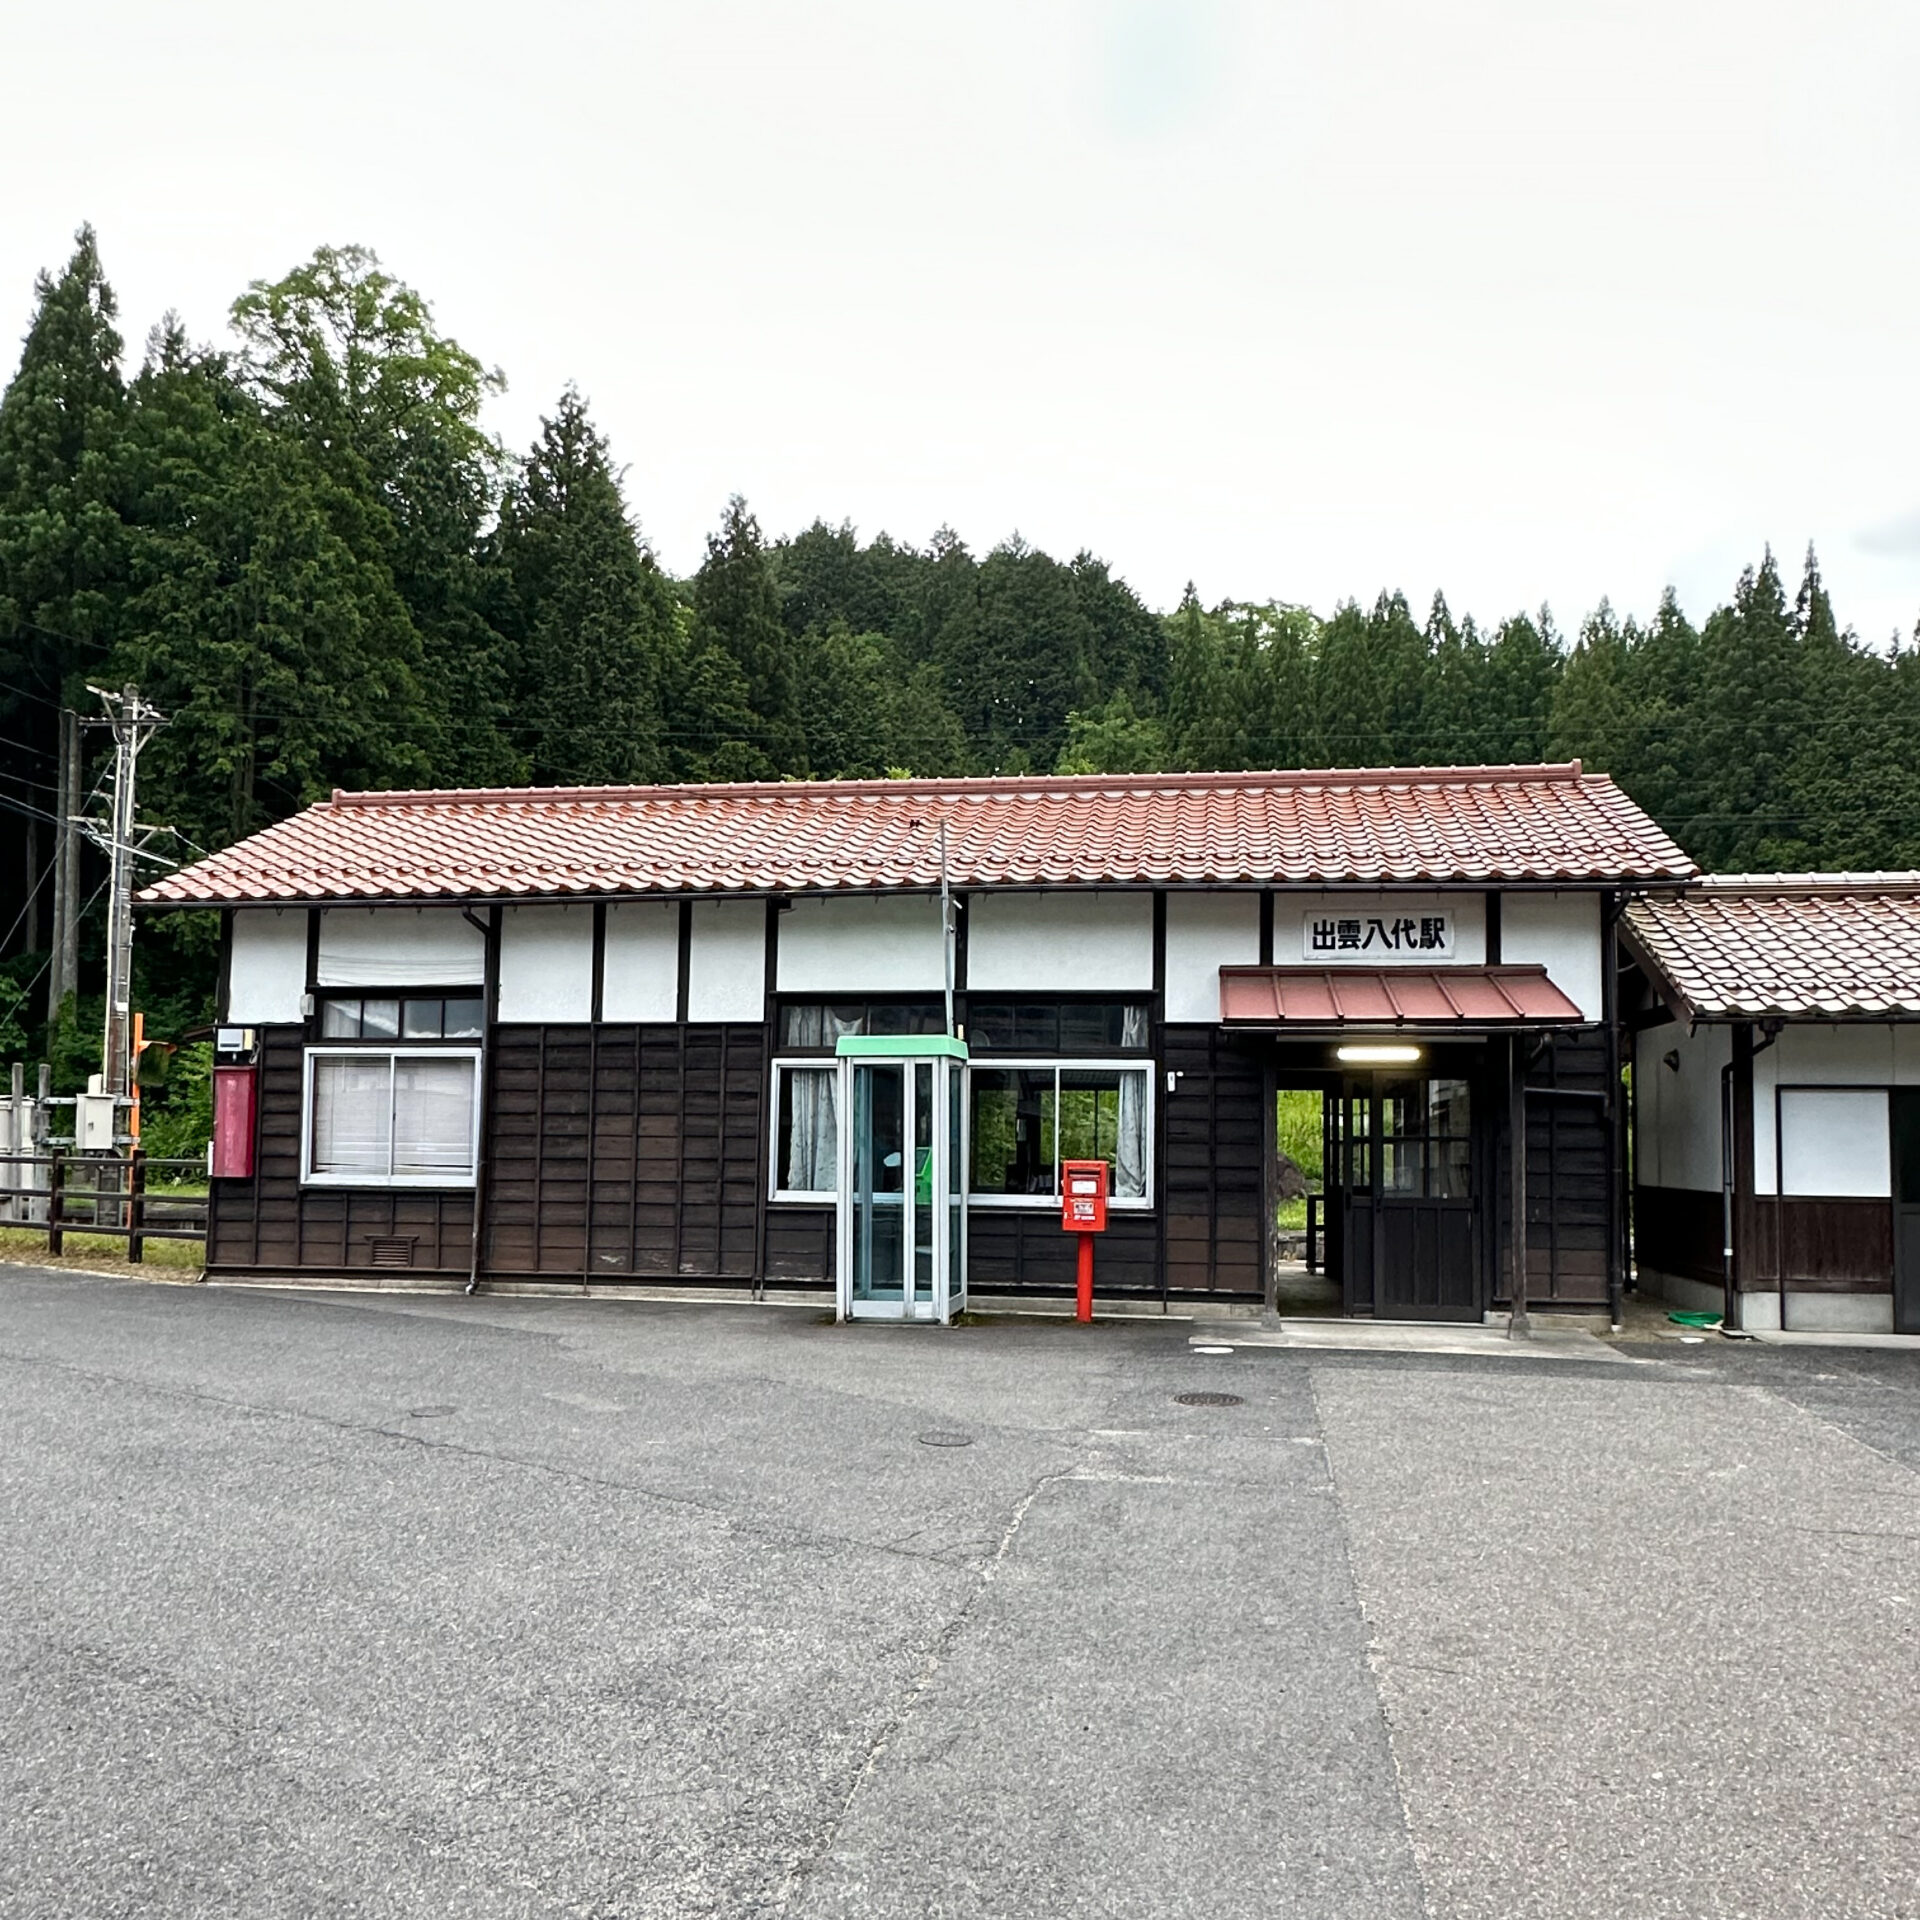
[736,1522]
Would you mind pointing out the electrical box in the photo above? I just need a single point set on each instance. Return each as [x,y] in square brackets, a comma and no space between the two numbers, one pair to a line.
[97,1118]
[1083,1196]
[231,1157]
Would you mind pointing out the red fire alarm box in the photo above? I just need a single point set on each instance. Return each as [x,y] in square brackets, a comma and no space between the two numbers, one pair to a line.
[1083,1196]
[232,1123]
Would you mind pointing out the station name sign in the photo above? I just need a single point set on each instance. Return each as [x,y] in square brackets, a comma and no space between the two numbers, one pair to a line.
[1370,938]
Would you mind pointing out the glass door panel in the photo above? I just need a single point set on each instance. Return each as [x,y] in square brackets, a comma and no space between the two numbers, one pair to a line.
[877,1185]
[922,1126]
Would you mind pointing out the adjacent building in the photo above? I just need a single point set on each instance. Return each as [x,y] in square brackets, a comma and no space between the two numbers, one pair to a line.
[1776,1074]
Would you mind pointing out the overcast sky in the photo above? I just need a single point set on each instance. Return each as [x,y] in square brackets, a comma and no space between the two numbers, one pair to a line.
[1526,299]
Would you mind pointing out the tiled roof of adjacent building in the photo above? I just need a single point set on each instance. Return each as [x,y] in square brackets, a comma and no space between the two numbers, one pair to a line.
[1807,945]
[1464,825]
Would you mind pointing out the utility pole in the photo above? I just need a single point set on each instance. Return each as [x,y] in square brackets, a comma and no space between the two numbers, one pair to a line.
[134,723]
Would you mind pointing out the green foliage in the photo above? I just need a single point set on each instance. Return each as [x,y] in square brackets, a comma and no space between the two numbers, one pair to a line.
[176,1121]
[1298,1111]
[315,558]
[587,621]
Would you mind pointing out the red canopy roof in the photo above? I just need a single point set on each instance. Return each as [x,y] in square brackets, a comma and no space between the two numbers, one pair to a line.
[1393,997]
[1546,825]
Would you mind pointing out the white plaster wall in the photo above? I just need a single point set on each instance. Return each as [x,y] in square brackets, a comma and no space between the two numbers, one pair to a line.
[400,947]
[267,971]
[1294,912]
[1834,1142]
[863,944]
[1205,932]
[1678,1114]
[727,968]
[546,963]
[1061,942]
[1560,931]
[642,975]
[1833,1052]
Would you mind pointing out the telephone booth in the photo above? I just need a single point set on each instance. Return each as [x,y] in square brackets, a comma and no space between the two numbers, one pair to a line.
[903,1178]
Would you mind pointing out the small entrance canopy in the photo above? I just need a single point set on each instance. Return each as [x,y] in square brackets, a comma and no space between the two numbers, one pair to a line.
[1443,999]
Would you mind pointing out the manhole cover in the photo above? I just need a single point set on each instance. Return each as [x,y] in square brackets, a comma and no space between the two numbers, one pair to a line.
[946,1439]
[428,1413]
[1207,1400]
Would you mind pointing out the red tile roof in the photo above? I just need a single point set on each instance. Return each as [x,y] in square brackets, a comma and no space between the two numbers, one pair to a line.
[1806,946]
[1471,825]
[1380,997]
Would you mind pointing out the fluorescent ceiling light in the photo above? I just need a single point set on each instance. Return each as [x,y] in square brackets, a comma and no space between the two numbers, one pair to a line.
[1377,1056]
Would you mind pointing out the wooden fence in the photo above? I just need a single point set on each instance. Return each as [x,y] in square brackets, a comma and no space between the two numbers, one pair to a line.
[127,1197]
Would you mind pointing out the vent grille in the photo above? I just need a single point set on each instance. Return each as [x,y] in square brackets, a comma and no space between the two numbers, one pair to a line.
[392,1250]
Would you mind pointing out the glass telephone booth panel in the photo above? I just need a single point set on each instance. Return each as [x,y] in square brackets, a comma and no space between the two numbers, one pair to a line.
[903,1158]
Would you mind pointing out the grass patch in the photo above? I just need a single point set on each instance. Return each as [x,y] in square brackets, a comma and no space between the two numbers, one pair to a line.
[27,1246]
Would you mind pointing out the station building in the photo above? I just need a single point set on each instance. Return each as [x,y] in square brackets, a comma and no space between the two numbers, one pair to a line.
[843,1035]
[1776,1054]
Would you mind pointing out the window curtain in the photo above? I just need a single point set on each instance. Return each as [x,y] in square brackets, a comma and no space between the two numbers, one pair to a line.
[433,1117]
[1133,1028]
[1130,1148]
[813,1146]
[352,1115]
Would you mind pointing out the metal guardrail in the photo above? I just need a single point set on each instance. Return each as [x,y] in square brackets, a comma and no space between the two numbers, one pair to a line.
[101,1193]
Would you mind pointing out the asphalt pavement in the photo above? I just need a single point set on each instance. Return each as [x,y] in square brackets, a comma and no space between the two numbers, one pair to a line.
[381,1605]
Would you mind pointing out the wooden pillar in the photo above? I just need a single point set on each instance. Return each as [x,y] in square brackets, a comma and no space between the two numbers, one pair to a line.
[1519,1327]
[1745,1209]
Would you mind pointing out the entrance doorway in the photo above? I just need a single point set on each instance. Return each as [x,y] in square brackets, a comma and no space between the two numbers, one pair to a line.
[1305,1280]
[902,1222]
[1402,1145]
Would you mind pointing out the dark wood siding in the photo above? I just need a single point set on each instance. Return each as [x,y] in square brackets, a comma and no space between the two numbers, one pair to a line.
[273,1224]
[1569,1174]
[620,1152]
[1212,1138]
[1824,1246]
[1809,1245]
[1014,1250]
[1682,1231]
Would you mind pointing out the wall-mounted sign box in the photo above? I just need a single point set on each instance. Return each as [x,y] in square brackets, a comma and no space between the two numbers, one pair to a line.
[1366,939]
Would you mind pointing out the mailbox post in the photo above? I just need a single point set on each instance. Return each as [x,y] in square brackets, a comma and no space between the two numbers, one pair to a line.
[1083,1211]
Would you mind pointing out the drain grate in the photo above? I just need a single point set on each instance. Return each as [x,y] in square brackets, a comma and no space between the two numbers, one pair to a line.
[1208,1400]
[946,1439]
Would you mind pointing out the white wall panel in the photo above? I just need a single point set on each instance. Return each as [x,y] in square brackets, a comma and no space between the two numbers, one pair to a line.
[1678,1113]
[1293,913]
[1060,942]
[642,977]
[1814,1052]
[1560,931]
[727,970]
[1205,932]
[1833,1142]
[546,963]
[400,947]
[862,944]
[267,972]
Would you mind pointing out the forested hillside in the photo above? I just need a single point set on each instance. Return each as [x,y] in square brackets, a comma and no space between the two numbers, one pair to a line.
[306,548]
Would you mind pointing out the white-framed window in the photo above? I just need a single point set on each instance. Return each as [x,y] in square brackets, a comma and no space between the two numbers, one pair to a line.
[390,1117]
[1029,1115]
[806,1130]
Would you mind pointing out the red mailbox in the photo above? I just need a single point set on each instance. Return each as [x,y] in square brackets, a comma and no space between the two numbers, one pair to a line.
[1083,1196]
[1083,1210]
[233,1098]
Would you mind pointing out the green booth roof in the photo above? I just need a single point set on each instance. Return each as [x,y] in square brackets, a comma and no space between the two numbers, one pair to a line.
[900,1046]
